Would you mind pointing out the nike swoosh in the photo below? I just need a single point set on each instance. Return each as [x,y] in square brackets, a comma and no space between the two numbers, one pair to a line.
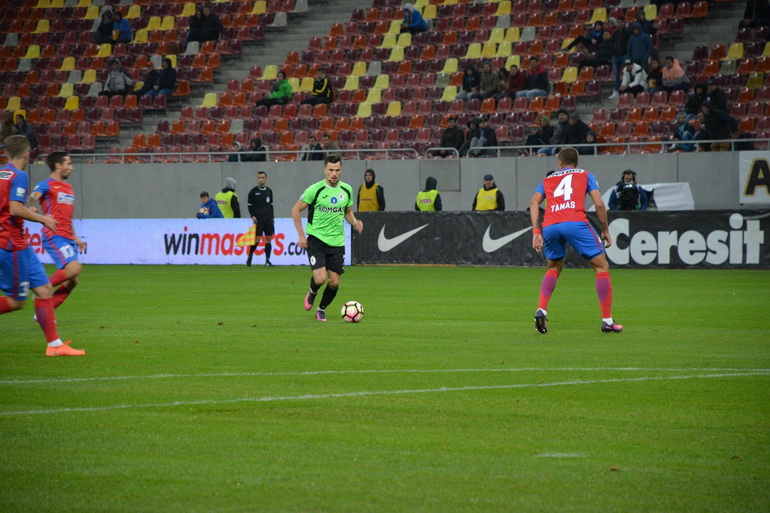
[491,245]
[385,244]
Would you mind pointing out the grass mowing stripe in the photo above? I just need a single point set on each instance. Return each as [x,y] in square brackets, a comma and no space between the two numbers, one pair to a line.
[378,393]
[364,371]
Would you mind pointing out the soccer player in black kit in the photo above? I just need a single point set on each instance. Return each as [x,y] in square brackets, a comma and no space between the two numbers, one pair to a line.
[260,204]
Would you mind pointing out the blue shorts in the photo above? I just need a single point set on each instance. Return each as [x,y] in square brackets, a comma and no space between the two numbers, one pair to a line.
[20,271]
[580,235]
[61,250]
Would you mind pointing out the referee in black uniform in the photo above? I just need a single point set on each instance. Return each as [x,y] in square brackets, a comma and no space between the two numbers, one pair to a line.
[260,204]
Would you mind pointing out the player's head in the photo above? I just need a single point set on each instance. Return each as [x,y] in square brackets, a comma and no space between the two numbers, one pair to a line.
[205,197]
[332,169]
[567,157]
[17,148]
[59,162]
[261,178]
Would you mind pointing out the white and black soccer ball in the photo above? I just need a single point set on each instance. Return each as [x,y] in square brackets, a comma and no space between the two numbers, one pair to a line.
[352,311]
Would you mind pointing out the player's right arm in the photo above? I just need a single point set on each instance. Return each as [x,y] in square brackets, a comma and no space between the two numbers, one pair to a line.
[296,215]
[534,216]
[18,209]
[601,214]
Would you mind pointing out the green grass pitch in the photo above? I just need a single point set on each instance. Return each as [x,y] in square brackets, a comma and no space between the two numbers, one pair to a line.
[210,389]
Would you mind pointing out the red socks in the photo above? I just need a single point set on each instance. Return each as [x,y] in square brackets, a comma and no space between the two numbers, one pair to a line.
[604,291]
[46,318]
[4,306]
[60,295]
[60,276]
[547,287]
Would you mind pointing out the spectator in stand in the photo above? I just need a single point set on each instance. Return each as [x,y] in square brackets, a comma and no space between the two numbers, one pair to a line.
[331,147]
[123,28]
[619,52]
[27,130]
[683,131]
[471,134]
[757,14]
[701,134]
[654,75]
[559,134]
[537,80]
[280,94]
[634,78]
[204,25]
[639,47]
[413,21]
[470,87]
[149,80]
[541,135]
[118,81]
[322,89]
[673,76]
[612,25]
[590,41]
[235,156]
[717,96]
[256,151]
[312,150]
[503,76]
[590,148]
[719,125]
[165,80]
[195,27]
[577,131]
[487,138]
[644,24]
[517,81]
[603,54]
[488,82]
[7,129]
[453,137]
[103,32]
[694,102]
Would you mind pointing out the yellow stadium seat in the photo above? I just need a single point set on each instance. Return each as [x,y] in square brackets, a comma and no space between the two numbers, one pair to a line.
[504,49]
[374,96]
[450,66]
[33,52]
[260,7]
[389,41]
[394,109]
[735,52]
[307,84]
[513,60]
[474,51]
[172,57]
[489,50]
[84,3]
[43,4]
[73,103]
[168,23]
[766,52]
[57,4]
[512,34]
[154,23]
[140,37]
[450,92]
[395,27]
[404,40]
[209,100]
[496,36]
[67,90]
[68,64]
[396,55]
[429,12]
[92,13]
[599,14]
[756,80]
[270,72]
[43,26]
[359,69]
[651,12]
[189,10]
[294,83]
[364,110]
[14,103]
[569,75]
[89,76]
[351,83]
[134,11]
[382,81]
[19,112]
[419,4]
[567,41]
[503,7]
[105,50]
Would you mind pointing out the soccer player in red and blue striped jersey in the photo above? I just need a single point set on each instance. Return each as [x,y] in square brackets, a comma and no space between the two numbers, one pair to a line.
[57,199]
[565,222]
[20,270]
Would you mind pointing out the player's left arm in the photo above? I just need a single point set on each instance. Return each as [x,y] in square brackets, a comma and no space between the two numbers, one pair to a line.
[356,223]
[534,216]
[601,214]
[35,197]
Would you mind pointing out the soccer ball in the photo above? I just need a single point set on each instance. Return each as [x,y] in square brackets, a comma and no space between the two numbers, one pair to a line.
[352,311]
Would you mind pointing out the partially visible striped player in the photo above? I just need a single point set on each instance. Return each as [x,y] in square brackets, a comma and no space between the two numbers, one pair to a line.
[57,199]
[20,270]
[565,222]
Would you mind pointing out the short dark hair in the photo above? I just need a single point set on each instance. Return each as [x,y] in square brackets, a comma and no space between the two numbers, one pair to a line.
[204,193]
[568,156]
[56,157]
[261,173]
[332,159]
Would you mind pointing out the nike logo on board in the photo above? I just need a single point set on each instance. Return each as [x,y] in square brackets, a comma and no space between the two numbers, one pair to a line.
[491,245]
[385,244]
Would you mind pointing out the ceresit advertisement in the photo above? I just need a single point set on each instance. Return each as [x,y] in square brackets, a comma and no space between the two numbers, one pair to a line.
[179,242]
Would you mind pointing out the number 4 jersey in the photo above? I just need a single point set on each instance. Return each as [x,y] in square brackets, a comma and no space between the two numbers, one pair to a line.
[58,200]
[565,194]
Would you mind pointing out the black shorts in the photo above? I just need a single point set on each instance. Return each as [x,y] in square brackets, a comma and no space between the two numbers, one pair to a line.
[265,225]
[322,255]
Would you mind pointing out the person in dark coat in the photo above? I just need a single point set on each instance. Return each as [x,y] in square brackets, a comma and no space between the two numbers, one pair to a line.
[453,137]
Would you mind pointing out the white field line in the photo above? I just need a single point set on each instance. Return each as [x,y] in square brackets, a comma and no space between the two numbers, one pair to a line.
[205,402]
[372,371]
